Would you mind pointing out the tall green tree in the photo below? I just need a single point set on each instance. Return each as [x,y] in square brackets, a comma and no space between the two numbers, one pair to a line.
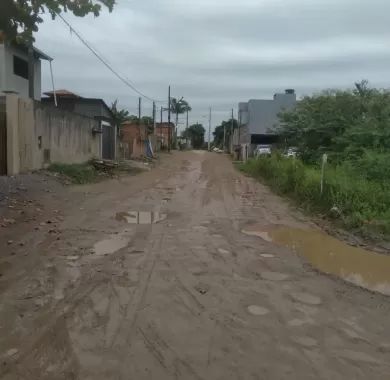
[120,115]
[347,125]
[178,107]
[20,18]
[195,133]
[219,131]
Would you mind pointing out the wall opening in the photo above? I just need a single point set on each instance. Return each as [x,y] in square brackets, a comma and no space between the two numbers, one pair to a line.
[20,67]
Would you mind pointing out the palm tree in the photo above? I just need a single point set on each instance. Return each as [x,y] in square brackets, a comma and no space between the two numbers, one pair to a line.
[179,107]
[120,115]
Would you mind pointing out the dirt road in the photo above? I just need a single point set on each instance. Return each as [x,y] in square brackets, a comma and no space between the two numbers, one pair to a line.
[91,294]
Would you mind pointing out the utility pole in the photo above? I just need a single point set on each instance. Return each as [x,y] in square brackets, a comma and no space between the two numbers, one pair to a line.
[239,126]
[232,129]
[209,146]
[187,119]
[139,109]
[31,76]
[224,136]
[169,118]
[161,127]
[154,116]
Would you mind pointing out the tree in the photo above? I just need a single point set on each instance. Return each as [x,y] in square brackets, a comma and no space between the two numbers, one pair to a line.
[120,116]
[195,133]
[349,126]
[219,132]
[179,107]
[20,18]
[147,120]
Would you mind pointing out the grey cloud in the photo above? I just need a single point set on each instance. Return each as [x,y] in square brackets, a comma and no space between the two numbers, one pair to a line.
[219,53]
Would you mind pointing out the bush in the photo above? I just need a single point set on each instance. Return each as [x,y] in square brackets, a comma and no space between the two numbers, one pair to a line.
[77,173]
[362,203]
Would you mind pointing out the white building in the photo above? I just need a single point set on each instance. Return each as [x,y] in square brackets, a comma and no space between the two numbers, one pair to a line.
[14,69]
[259,120]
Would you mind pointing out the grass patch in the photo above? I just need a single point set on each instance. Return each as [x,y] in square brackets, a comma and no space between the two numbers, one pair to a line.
[92,171]
[360,204]
[76,173]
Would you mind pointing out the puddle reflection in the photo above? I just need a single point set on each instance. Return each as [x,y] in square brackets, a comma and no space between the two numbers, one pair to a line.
[140,217]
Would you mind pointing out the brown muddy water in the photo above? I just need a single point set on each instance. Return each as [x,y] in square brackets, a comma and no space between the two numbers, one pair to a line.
[361,267]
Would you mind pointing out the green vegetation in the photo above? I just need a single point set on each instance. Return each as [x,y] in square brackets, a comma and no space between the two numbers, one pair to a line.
[20,18]
[353,128]
[93,171]
[179,107]
[359,203]
[195,133]
[76,173]
[120,115]
[219,131]
[123,115]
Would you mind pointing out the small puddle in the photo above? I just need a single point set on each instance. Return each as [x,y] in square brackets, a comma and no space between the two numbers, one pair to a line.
[257,310]
[111,245]
[361,267]
[140,217]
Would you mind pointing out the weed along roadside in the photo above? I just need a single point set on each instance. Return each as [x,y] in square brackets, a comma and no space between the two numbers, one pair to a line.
[93,171]
[360,204]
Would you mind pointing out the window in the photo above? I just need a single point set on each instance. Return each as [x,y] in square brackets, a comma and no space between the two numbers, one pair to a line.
[20,67]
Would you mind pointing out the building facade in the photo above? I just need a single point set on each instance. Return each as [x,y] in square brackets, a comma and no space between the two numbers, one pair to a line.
[259,119]
[92,108]
[14,70]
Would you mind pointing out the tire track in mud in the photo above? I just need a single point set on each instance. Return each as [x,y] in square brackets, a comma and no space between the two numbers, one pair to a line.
[62,310]
[50,321]
[168,358]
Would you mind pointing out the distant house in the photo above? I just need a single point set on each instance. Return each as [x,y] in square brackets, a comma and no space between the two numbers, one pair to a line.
[133,139]
[164,132]
[258,120]
[14,69]
[91,107]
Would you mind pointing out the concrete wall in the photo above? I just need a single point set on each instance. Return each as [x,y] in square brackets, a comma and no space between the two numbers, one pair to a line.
[162,132]
[38,135]
[9,82]
[134,136]
[241,136]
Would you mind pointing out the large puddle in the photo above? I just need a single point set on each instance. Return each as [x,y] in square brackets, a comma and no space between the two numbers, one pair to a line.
[365,268]
[140,217]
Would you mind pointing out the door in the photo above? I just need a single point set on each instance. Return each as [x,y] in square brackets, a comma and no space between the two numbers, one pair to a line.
[108,142]
[3,141]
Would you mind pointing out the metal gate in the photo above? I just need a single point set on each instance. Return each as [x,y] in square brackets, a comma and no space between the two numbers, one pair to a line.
[3,141]
[108,149]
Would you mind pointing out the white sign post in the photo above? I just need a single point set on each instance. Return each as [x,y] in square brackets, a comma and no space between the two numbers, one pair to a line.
[324,161]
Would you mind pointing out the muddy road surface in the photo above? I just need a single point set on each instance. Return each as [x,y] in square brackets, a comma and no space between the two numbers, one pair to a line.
[152,277]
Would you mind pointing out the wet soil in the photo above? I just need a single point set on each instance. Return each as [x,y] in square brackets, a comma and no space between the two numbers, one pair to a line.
[151,277]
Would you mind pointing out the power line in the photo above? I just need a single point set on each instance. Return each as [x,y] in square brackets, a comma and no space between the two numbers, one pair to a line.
[105,63]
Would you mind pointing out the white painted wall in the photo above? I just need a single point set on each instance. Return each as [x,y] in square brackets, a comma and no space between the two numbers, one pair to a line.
[11,82]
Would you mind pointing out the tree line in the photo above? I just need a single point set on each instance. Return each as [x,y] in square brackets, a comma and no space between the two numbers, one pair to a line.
[351,126]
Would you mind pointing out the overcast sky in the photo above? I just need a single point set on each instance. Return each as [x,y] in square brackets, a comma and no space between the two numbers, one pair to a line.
[219,52]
